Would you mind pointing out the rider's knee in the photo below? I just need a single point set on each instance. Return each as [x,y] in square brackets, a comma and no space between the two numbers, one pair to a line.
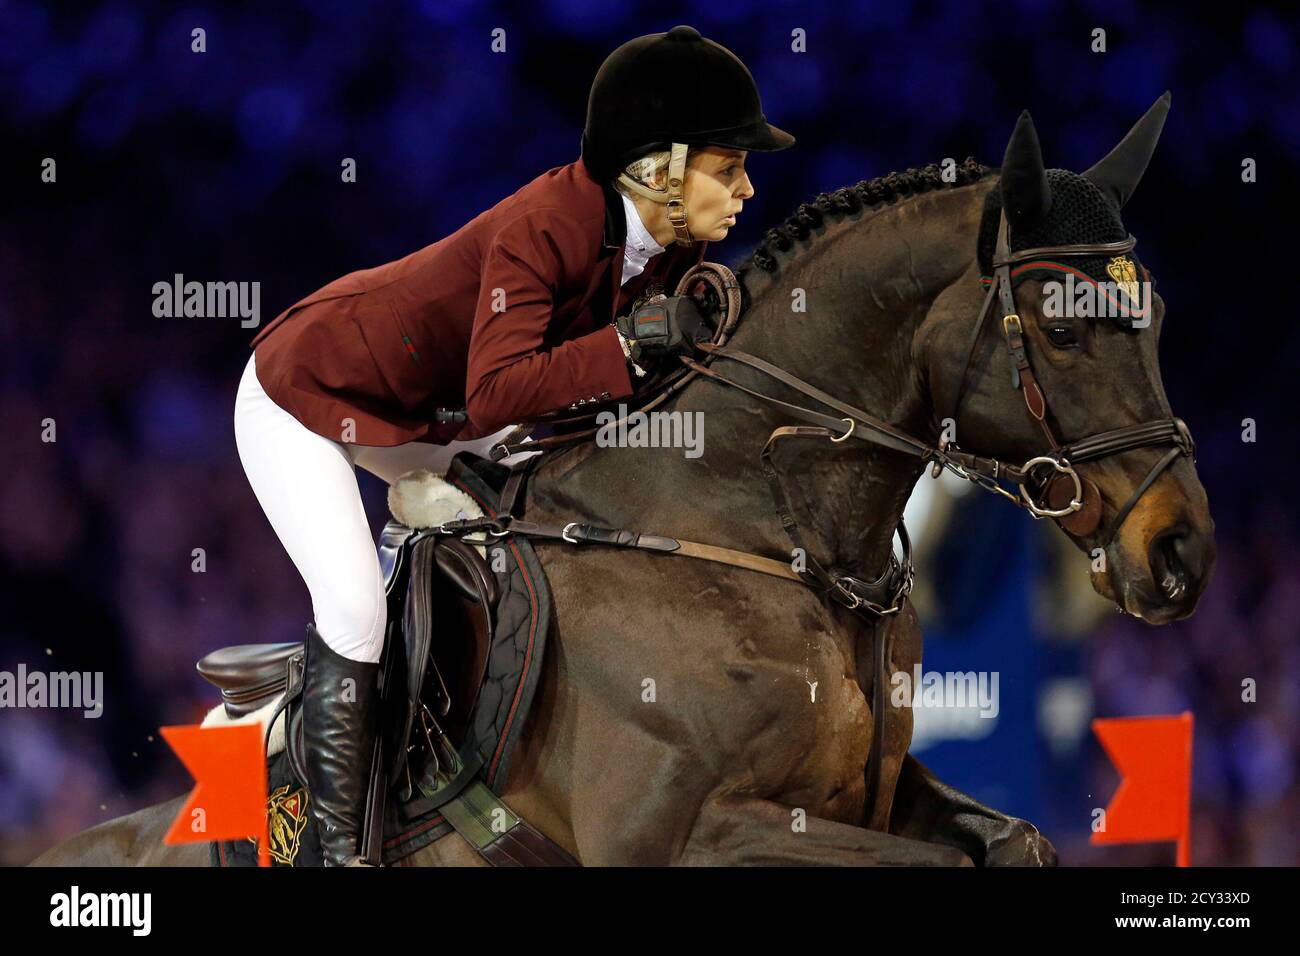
[352,620]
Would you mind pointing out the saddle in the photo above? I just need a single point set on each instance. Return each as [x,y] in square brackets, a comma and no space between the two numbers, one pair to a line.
[440,752]
[455,584]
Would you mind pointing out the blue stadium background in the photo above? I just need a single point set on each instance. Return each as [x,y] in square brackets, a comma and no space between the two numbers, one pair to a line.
[226,164]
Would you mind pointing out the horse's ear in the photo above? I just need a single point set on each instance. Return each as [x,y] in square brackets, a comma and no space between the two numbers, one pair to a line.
[1026,195]
[1119,173]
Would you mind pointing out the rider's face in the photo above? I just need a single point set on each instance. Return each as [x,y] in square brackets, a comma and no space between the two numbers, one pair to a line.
[716,188]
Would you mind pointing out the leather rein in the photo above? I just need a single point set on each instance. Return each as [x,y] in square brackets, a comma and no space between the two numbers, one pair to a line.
[880,597]
[1045,475]
[1047,485]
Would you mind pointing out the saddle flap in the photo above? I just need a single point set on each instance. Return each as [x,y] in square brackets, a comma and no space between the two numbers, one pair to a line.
[464,567]
[462,595]
[446,632]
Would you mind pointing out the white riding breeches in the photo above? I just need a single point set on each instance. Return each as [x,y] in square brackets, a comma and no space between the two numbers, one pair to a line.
[307,486]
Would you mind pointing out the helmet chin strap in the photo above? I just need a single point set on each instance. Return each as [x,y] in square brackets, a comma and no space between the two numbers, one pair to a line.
[671,196]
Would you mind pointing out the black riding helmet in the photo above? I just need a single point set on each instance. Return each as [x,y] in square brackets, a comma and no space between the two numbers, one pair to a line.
[668,91]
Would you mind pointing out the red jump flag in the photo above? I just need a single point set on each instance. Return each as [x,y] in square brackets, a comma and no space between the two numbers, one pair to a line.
[1153,802]
[229,798]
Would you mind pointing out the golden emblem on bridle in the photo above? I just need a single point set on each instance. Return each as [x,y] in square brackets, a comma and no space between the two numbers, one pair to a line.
[1123,270]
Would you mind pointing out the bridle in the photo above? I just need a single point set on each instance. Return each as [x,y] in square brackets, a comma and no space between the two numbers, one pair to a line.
[1080,512]
[1047,485]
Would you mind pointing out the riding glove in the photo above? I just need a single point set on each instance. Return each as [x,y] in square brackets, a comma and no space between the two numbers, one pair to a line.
[666,325]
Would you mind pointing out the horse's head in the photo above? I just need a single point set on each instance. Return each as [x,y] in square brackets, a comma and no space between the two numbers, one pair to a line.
[1091,326]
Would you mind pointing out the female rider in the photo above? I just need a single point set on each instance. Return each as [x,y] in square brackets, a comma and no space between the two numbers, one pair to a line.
[511,316]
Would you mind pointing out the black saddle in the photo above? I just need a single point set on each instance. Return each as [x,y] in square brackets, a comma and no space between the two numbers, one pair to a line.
[428,688]
[459,669]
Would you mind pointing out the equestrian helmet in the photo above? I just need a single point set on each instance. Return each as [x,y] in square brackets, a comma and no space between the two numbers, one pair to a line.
[674,87]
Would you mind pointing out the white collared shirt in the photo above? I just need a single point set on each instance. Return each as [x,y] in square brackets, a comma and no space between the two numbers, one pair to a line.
[640,246]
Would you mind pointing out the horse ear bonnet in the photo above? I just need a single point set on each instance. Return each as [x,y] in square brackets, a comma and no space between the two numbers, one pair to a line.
[1080,212]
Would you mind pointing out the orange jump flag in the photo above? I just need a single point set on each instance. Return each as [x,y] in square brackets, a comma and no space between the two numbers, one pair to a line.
[229,798]
[1153,802]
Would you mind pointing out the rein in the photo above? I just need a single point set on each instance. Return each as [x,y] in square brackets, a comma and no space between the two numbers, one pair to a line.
[881,597]
[1081,511]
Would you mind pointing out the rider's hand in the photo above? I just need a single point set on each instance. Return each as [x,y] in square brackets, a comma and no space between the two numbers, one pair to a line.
[670,325]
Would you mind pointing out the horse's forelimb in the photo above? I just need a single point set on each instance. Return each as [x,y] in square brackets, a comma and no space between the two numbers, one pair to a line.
[926,808]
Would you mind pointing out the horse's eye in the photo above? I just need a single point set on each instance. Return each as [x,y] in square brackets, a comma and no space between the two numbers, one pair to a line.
[1062,336]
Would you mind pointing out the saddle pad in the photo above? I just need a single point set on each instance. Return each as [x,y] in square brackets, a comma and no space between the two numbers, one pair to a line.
[522,622]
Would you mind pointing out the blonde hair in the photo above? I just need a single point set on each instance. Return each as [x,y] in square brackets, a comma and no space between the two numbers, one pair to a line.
[648,167]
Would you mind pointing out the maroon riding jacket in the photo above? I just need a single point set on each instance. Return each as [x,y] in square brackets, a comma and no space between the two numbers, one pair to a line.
[508,317]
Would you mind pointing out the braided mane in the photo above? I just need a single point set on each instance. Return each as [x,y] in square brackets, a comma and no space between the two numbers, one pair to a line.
[868,194]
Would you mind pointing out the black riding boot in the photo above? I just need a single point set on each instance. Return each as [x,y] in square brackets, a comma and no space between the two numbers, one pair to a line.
[339,724]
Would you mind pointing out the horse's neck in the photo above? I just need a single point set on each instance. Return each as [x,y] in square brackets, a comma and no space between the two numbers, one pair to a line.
[867,292]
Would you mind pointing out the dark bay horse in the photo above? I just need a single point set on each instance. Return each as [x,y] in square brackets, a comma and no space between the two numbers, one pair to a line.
[689,712]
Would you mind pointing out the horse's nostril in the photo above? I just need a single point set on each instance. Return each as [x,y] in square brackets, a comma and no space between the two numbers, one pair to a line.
[1174,562]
